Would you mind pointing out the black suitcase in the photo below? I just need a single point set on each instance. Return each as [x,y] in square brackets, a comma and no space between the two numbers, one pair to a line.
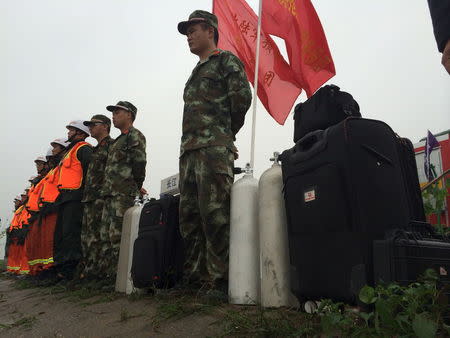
[407,253]
[158,252]
[327,107]
[343,187]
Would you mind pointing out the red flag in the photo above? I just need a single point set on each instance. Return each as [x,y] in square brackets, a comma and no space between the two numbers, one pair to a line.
[277,87]
[297,23]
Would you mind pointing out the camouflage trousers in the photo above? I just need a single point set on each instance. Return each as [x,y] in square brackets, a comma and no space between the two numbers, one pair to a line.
[206,177]
[111,232]
[91,243]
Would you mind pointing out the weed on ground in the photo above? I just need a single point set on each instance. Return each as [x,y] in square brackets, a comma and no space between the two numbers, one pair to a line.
[24,322]
[419,309]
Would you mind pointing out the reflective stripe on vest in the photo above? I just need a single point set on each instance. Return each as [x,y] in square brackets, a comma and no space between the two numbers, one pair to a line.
[50,186]
[33,197]
[70,169]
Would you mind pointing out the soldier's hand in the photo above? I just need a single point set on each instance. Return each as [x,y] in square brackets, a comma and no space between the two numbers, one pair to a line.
[446,57]
[143,192]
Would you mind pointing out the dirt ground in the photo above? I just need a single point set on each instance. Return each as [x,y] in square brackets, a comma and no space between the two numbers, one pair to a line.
[49,312]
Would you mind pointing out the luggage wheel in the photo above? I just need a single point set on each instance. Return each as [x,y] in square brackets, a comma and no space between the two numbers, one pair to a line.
[311,306]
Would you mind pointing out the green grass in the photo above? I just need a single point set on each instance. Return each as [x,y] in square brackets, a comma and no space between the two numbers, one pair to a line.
[259,322]
[125,315]
[77,292]
[24,322]
[175,305]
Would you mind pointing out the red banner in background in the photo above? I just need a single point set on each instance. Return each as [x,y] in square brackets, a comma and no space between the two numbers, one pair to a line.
[277,85]
[296,22]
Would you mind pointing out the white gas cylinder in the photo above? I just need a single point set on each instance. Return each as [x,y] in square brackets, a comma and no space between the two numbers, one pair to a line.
[130,228]
[273,240]
[244,277]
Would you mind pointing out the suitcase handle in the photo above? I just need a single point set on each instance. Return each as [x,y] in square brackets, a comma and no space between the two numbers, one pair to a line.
[309,145]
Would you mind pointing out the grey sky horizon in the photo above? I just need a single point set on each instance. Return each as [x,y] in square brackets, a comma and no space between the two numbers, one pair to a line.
[66,60]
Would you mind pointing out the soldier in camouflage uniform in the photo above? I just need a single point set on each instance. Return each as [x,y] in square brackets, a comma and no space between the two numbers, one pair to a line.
[91,244]
[124,176]
[216,98]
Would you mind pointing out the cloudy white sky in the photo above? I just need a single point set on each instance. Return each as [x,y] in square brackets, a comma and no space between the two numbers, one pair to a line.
[62,60]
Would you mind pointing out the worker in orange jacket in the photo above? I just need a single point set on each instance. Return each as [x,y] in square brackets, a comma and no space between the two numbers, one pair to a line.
[71,177]
[44,259]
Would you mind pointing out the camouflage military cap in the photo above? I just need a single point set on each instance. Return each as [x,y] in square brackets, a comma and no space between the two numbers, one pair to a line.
[125,105]
[198,16]
[99,118]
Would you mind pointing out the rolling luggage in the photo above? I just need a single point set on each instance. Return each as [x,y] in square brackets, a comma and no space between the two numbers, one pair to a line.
[343,187]
[327,107]
[410,174]
[407,253]
[158,253]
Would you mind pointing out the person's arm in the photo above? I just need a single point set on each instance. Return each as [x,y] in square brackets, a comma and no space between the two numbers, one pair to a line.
[239,91]
[440,16]
[446,57]
[84,156]
[138,156]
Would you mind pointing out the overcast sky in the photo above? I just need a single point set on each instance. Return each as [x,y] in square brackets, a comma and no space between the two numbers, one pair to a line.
[63,60]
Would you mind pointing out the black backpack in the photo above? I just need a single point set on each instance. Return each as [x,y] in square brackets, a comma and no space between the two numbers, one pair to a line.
[327,107]
[158,253]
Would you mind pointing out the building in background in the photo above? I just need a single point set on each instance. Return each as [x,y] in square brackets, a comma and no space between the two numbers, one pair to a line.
[440,160]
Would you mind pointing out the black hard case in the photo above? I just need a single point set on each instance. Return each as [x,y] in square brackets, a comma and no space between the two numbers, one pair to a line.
[406,254]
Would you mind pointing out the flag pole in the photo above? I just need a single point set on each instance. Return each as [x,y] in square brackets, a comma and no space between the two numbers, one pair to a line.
[255,87]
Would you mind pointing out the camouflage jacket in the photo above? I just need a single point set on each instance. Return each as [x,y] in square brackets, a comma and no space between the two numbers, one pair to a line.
[216,97]
[125,167]
[96,170]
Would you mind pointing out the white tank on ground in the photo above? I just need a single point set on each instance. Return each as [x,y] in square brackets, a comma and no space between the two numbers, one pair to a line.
[244,277]
[273,240]
[130,228]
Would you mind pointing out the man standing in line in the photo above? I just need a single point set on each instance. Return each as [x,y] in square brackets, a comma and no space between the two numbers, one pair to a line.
[49,211]
[99,127]
[124,176]
[41,169]
[72,173]
[440,13]
[216,98]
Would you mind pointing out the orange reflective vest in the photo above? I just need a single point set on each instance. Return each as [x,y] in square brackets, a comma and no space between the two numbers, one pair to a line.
[50,186]
[21,216]
[70,169]
[16,218]
[33,197]
[24,216]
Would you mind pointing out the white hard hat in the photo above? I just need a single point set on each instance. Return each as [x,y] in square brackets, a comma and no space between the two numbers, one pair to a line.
[17,198]
[80,126]
[62,141]
[49,152]
[31,178]
[41,158]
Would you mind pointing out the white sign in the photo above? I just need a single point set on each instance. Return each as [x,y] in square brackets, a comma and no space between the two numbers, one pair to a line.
[435,160]
[169,185]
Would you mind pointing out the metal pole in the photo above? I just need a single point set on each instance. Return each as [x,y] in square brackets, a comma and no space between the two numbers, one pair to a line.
[255,86]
